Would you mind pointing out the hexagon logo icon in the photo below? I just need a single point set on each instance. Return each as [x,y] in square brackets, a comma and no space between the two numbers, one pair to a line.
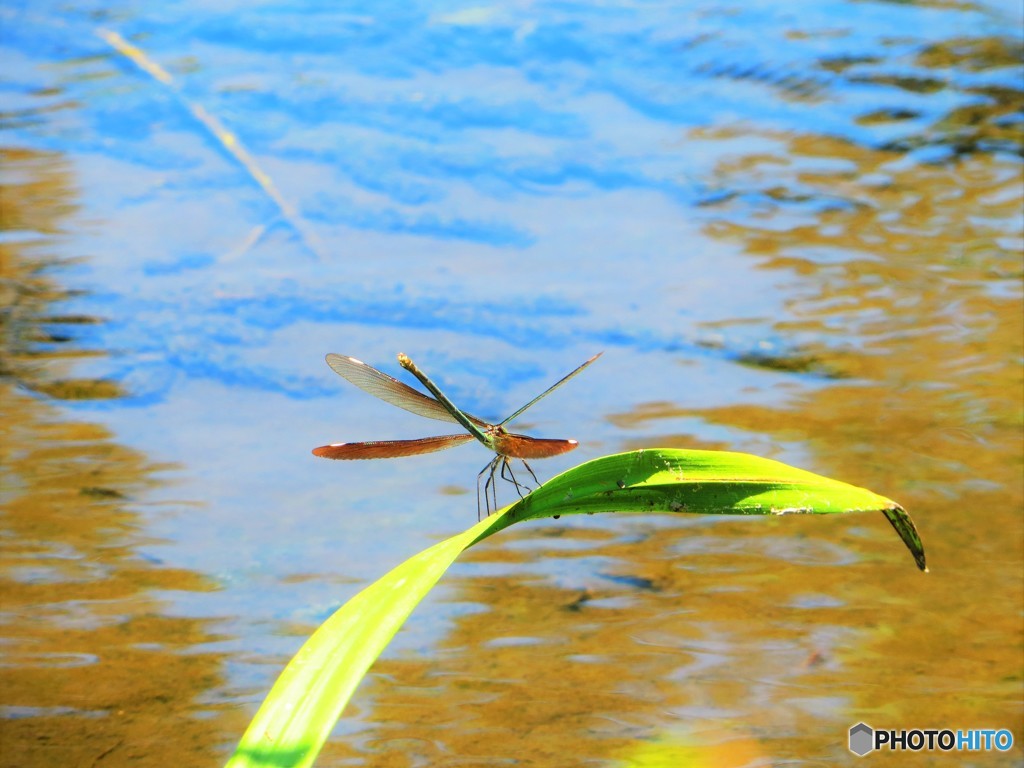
[862,739]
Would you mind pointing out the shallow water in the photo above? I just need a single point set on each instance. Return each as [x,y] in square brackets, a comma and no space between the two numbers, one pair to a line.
[793,232]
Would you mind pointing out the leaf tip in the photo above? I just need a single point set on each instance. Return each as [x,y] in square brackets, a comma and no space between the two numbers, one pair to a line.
[908,532]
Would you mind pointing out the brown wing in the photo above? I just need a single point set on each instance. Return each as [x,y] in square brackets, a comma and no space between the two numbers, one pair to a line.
[387,449]
[525,447]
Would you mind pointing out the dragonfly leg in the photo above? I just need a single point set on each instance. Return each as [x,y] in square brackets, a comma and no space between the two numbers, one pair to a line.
[487,502]
[494,485]
[530,470]
[478,518]
[489,485]
[511,478]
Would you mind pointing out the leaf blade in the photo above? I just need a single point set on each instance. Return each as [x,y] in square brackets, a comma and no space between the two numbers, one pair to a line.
[298,714]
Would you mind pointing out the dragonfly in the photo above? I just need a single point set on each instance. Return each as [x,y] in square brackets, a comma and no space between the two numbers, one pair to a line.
[506,445]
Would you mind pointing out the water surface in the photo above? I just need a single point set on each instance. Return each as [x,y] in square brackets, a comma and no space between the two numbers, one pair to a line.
[793,231]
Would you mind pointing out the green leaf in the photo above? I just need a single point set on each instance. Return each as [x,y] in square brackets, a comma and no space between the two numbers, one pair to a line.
[297,716]
[707,483]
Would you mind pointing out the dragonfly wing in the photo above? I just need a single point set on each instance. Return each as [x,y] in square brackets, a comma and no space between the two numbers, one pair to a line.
[549,390]
[525,447]
[387,449]
[390,390]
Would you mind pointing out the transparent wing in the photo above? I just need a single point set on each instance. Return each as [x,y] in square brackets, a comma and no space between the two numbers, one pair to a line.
[390,390]
[389,449]
[552,388]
